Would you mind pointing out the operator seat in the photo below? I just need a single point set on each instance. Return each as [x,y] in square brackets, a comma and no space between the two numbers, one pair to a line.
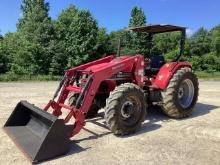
[156,62]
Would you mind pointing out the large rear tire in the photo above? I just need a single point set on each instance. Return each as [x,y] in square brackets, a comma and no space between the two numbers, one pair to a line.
[125,109]
[181,94]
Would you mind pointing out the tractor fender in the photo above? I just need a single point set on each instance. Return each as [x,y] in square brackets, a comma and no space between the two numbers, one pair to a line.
[166,73]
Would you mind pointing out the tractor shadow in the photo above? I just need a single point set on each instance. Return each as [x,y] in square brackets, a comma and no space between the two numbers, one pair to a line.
[94,135]
[202,109]
[74,149]
[154,120]
[156,114]
[155,117]
[98,121]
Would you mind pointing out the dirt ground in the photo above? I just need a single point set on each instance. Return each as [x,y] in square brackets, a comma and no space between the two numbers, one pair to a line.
[195,140]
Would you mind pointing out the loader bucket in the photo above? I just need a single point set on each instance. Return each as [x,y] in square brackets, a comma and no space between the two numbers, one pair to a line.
[38,134]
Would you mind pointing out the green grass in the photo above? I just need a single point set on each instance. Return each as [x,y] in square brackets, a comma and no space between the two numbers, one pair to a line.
[13,77]
[208,75]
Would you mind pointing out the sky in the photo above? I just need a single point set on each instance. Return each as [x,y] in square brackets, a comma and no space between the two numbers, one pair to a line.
[115,14]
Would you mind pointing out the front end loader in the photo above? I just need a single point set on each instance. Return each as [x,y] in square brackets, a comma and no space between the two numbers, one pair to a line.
[124,86]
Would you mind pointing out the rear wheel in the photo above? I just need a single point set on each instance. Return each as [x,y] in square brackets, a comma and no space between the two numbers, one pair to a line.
[181,94]
[125,109]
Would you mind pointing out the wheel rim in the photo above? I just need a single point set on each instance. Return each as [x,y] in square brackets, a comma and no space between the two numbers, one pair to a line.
[130,111]
[127,109]
[186,93]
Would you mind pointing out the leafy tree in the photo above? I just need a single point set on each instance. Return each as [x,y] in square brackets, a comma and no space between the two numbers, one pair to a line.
[211,63]
[8,48]
[137,41]
[62,26]
[29,59]
[3,58]
[79,32]
[138,17]
[200,42]
[131,43]
[166,43]
[59,60]
[121,35]
[37,31]
[65,20]
[103,43]
[45,46]
[215,37]
[35,25]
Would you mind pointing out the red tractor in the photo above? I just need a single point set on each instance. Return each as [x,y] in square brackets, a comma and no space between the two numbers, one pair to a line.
[124,86]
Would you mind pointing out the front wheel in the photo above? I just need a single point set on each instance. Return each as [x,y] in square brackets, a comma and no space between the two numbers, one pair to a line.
[125,109]
[181,94]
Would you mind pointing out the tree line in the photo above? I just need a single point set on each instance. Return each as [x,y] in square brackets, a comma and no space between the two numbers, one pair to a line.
[42,46]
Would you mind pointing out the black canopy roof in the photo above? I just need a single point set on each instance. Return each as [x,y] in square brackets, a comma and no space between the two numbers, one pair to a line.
[156,29]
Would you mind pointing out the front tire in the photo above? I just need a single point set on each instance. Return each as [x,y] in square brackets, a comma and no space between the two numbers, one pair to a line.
[125,109]
[181,94]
